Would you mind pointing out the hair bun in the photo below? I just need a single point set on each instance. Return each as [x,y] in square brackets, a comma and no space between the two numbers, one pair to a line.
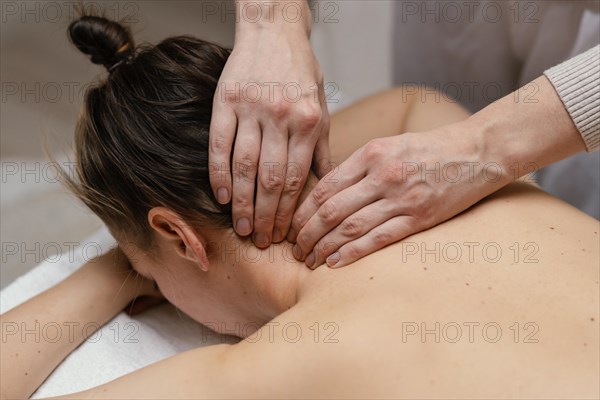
[107,42]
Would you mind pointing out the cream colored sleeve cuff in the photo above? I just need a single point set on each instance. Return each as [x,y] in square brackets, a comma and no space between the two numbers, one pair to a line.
[577,82]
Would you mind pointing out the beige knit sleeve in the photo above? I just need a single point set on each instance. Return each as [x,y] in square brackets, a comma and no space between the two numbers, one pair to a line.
[577,82]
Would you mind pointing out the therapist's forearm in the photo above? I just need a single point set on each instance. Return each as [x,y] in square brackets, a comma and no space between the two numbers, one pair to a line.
[39,334]
[285,16]
[526,130]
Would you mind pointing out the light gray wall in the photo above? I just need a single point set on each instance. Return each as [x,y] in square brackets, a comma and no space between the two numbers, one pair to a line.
[353,42]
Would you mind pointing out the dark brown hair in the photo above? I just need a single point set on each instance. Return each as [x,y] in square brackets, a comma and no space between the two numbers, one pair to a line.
[142,139]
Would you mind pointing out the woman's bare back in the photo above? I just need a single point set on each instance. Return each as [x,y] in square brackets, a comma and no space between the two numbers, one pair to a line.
[509,309]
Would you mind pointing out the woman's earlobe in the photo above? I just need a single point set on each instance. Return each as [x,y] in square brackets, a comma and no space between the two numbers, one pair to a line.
[198,255]
[193,248]
[195,254]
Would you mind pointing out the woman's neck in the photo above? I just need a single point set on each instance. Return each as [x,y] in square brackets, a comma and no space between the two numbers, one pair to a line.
[273,272]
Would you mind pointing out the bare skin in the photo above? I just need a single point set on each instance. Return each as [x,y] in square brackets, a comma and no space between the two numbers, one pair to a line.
[357,324]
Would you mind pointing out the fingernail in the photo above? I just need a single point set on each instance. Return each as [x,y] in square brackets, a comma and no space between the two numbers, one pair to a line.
[333,259]
[277,235]
[223,195]
[243,227]
[291,236]
[297,252]
[310,259]
[261,239]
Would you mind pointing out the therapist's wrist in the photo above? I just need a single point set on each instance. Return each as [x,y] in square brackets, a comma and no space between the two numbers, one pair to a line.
[526,130]
[490,153]
[471,144]
[289,17]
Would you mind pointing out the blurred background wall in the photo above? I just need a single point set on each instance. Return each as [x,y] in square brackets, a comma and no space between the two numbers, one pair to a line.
[43,80]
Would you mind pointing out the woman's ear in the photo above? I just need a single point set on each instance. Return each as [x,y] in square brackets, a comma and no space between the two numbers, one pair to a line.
[174,232]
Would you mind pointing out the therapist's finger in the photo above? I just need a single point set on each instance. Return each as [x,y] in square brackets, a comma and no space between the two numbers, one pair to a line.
[245,164]
[338,179]
[273,157]
[335,210]
[296,172]
[322,154]
[377,238]
[223,126]
[351,228]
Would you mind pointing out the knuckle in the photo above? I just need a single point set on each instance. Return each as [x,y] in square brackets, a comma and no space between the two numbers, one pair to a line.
[230,97]
[309,117]
[424,213]
[219,144]
[392,173]
[297,221]
[293,185]
[320,193]
[412,224]
[319,253]
[246,168]
[373,150]
[302,240]
[381,238]
[328,213]
[279,108]
[352,226]
[245,159]
[325,248]
[282,217]
[271,182]
[242,204]
[423,210]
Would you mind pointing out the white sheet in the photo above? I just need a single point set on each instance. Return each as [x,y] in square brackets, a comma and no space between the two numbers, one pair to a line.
[121,346]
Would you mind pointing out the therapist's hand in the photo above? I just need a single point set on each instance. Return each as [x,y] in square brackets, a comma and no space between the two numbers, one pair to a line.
[394,187]
[387,190]
[269,121]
